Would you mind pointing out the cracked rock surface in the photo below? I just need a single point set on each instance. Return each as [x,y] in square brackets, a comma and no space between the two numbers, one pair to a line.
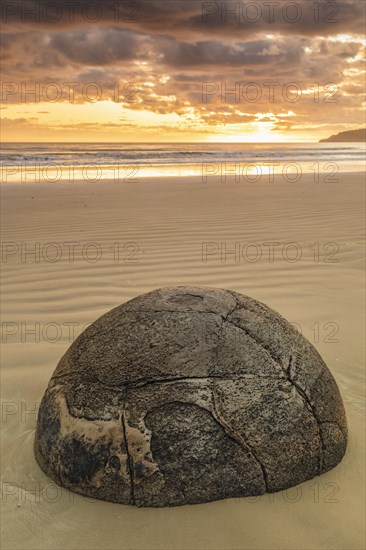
[187,395]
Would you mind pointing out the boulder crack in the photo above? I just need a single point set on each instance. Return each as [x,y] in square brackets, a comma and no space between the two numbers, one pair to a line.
[208,378]
[258,342]
[301,392]
[310,407]
[129,458]
[233,434]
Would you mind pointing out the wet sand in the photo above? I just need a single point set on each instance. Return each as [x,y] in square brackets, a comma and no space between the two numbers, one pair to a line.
[297,247]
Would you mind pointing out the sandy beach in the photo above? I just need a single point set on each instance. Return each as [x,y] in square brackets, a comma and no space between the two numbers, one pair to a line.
[153,144]
[296,247]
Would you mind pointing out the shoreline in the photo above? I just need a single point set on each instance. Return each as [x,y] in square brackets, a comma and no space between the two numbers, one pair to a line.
[276,178]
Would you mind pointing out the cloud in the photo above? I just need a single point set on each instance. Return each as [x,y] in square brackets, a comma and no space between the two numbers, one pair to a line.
[95,47]
[259,52]
[156,56]
[173,17]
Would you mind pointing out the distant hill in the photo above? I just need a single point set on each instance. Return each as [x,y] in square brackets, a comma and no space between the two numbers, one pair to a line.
[351,135]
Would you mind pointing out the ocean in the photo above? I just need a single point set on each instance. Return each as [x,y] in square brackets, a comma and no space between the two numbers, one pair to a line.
[34,162]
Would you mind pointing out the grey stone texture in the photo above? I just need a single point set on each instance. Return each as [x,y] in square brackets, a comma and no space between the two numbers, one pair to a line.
[187,395]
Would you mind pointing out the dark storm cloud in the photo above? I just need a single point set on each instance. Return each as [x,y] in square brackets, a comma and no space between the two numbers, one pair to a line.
[183,34]
[193,17]
[96,46]
[7,39]
[259,52]
[300,17]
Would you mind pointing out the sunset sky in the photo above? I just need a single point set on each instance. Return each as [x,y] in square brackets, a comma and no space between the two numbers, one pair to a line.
[182,70]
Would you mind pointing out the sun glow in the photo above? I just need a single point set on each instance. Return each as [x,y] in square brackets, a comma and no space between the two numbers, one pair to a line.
[255,132]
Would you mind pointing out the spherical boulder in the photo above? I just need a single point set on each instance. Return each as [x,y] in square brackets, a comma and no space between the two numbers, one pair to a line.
[187,395]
